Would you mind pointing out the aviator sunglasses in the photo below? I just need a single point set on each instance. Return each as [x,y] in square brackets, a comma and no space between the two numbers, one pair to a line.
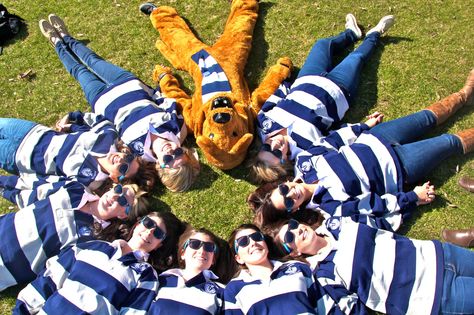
[244,241]
[150,224]
[288,202]
[195,244]
[122,200]
[277,152]
[289,236]
[168,158]
[123,167]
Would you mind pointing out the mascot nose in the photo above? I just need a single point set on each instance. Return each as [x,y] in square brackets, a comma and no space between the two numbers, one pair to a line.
[221,118]
[221,101]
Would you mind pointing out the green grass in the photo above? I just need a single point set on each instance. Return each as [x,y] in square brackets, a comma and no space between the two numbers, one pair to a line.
[426,56]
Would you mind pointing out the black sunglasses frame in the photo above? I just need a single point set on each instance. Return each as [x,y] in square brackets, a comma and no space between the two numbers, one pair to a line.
[122,200]
[283,189]
[168,158]
[244,241]
[158,233]
[195,244]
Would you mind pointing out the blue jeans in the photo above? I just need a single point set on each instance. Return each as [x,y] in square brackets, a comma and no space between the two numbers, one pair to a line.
[93,73]
[347,73]
[458,286]
[12,132]
[417,158]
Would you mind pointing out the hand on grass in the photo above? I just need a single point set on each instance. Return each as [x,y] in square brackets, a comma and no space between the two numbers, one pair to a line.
[426,193]
[374,119]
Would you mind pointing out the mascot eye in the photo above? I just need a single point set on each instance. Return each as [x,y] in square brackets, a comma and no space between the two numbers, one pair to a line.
[234,134]
[211,136]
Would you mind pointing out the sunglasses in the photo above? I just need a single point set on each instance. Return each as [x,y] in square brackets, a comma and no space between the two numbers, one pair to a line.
[288,202]
[277,152]
[123,167]
[289,236]
[195,244]
[168,158]
[244,241]
[122,200]
[150,224]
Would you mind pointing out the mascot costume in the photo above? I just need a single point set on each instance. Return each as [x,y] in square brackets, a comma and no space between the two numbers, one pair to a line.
[221,112]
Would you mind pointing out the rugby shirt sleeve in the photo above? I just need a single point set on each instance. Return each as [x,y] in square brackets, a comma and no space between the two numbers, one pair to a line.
[388,211]
[141,297]
[32,298]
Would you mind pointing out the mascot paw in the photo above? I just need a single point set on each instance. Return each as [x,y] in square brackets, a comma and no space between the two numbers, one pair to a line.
[286,62]
[159,72]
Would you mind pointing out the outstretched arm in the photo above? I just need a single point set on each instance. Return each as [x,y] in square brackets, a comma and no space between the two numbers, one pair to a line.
[274,77]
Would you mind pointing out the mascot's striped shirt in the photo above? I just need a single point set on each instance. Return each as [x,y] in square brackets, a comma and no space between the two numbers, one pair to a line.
[199,295]
[91,278]
[33,234]
[369,268]
[307,109]
[44,151]
[289,290]
[137,110]
[357,173]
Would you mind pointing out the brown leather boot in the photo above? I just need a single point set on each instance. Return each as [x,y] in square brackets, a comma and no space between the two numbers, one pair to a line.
[450,104]
[467,183]
[467,139]
[463,238]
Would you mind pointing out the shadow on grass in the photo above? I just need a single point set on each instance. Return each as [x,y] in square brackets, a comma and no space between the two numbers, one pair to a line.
[366,97]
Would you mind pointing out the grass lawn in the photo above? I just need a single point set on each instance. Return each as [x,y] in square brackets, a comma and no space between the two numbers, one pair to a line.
[424,57]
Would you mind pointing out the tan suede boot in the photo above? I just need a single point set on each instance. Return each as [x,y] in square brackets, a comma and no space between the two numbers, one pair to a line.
[450,104]
[467,139]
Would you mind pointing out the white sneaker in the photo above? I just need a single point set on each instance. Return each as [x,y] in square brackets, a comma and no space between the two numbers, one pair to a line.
[384,24]
[351,24]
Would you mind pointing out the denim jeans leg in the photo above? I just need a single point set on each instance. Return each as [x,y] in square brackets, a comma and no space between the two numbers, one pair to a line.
[319,60]
[347,73]
[406,129]
[458,286]
[420,157]
[106,71]
[12,132]
[91,84]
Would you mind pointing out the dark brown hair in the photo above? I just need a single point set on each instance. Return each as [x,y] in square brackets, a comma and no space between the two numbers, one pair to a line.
[224,265]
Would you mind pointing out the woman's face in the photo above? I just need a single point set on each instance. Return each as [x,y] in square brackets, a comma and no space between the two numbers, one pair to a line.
[254,253]
[198,259]
[304,242]
[116,163]
[289,194]
[165,149]
[278,146]
[112,204]
[144,238]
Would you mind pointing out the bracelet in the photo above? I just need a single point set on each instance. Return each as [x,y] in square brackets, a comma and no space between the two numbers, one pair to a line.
[161,76]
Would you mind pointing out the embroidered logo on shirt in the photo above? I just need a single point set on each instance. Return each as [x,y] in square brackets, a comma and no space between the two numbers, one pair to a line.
[84,231]
[305,166]
[87,172]
[267,124]
[333,223]
[139,267]
[210,288]
[291,270]
[166,117]
[137,146]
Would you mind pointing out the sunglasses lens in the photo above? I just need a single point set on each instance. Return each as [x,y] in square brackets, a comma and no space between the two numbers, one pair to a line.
[277,153]
[289,203]
[129,158]
[243,241]
[266,147]
[289,237]
[178,152]
[209,247]
[148,223]
[118,189]
[123,168]
[158,233]
[293,224]
[257,236]
[283,189]
[122,201]
[194,244]
[167,158]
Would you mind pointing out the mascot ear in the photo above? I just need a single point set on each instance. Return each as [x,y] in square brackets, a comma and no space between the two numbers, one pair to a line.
[221,159]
